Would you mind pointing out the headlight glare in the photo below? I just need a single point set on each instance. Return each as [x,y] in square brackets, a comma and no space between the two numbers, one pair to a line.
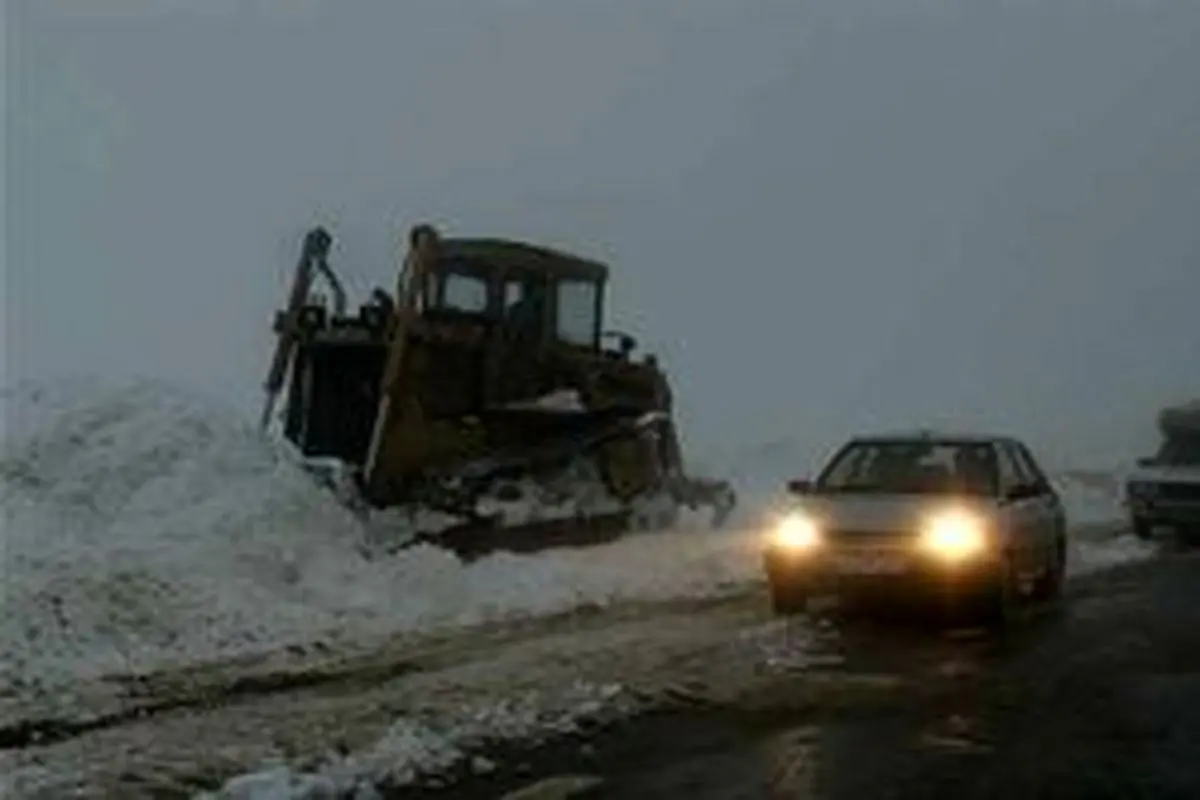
[797,532]
[954,536]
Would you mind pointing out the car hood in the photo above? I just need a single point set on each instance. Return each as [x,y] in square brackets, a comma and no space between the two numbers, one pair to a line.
[1183,474]
[890,512]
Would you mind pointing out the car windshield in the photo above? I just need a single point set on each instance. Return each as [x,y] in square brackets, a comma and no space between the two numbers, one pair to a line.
[912,467]
[1180,451]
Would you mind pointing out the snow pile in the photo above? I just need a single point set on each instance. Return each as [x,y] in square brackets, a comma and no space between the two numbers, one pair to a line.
[140,521]
[1100,535]
[415,748]
[144,526]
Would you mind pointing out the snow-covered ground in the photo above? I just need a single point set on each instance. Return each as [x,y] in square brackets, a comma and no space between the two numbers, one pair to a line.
[145,528]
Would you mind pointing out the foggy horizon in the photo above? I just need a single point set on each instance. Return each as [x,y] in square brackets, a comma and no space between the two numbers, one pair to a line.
[821,215]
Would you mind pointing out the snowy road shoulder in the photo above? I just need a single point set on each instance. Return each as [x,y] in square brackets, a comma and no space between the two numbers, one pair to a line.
[410,711]
[541,682]
[110,699]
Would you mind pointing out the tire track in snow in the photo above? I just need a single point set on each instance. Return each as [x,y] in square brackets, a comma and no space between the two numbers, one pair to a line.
[120,699]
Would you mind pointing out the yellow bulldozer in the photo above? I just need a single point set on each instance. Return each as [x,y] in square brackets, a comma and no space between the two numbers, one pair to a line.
[487,375]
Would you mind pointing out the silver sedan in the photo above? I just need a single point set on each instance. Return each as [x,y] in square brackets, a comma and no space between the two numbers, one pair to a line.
[968,522]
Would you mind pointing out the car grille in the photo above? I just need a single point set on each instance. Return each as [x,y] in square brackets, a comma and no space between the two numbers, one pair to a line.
[1178,491]
[870,538]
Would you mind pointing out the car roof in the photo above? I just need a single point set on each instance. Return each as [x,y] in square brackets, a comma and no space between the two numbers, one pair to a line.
[936,436]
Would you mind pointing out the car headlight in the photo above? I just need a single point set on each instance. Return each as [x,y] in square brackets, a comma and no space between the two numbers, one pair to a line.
[1141,489]
[954,536]
[797,532]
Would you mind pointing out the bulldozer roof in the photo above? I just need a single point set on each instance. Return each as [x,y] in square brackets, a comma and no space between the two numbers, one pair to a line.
[522,258]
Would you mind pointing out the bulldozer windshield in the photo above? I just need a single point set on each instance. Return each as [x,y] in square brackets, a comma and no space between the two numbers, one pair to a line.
[544,306]
[576,305]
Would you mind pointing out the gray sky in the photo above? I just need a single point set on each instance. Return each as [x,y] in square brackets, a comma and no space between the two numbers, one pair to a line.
[823,213]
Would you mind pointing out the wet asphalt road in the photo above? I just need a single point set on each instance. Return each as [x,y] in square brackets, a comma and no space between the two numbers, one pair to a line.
[1099,698]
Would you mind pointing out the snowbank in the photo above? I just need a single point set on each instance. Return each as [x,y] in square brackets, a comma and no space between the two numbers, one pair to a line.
[1100,535]
[146,526]
[141,522]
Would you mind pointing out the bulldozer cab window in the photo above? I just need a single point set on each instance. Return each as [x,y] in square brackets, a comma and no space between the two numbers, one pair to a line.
[524,307]
[514,292]
[578,319]
[463,293]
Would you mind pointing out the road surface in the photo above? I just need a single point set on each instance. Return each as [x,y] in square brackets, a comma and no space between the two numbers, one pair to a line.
[1099,699]
[728,702]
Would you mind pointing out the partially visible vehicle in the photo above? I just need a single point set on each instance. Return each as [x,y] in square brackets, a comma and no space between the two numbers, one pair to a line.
[1164,490]
[487,380]
[969,523]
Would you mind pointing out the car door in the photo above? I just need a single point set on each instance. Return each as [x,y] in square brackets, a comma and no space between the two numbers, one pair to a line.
[1049,506]
[1020,511]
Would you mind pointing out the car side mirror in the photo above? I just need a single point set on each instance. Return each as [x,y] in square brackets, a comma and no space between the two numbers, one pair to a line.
[799,486]
[1021,491]
[626,344]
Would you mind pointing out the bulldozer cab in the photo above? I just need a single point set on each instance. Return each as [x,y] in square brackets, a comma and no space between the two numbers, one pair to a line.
[533,295]
[509,321]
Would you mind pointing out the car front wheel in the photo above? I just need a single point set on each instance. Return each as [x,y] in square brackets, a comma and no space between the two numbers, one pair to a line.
[788,599]
[998,606]
[1142,528]
[1188,535]
[1049,585]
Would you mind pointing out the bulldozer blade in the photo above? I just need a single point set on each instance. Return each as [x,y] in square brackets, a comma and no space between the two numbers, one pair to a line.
[268,410]
[474,540]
